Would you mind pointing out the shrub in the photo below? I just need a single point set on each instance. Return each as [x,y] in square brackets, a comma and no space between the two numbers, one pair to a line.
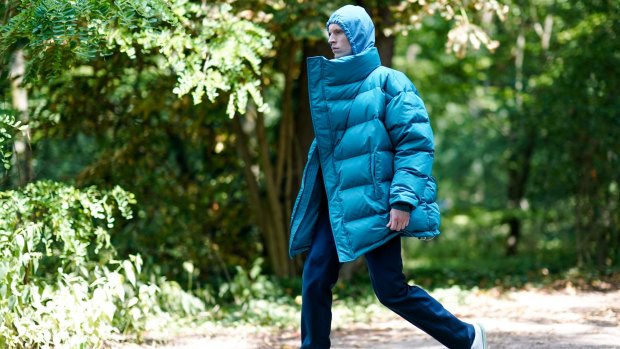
[60,285]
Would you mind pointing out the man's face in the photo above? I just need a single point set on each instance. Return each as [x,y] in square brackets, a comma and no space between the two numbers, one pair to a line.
[338,41]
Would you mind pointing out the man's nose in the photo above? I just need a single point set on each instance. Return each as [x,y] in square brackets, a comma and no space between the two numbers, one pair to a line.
[331,39]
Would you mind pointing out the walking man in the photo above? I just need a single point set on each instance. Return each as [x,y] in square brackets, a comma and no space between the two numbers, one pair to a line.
[367,183]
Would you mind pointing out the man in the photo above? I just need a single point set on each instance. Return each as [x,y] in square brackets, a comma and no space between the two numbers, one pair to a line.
[367,183]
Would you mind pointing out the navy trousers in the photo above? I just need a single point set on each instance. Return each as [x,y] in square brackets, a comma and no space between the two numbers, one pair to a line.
[386,273]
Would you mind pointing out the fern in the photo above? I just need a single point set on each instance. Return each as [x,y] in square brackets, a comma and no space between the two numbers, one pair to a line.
[209,48]
[71,32]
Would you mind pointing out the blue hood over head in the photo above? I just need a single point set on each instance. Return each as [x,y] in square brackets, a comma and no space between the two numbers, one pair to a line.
[357,26]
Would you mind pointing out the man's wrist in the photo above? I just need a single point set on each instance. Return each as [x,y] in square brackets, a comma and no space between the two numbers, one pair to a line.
[402,206]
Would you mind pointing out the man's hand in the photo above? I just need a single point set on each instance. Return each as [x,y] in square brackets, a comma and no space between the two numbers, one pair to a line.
[399,220]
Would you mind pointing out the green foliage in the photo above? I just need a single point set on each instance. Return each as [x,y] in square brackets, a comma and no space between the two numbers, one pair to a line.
[535,118]
[46,232]
[179,160]
[102,113]
[464,35]
[60,285]
[248,285]
[254,298]
[59,33]
[8,128]
[231,62]
[211,50]
[173,299]
[583,73]
[471,253]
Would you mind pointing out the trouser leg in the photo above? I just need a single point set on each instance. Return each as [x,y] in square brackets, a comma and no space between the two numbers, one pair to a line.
[319,277]
[415,305]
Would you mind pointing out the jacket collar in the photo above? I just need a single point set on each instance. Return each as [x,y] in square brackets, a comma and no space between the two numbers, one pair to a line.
[347,69]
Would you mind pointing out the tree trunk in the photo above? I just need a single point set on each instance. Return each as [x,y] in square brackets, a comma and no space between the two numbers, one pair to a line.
[518,164]
[288,148]
[384,43]
[274,209]
[255,198]
[304,131]
[279,225]
[23,152]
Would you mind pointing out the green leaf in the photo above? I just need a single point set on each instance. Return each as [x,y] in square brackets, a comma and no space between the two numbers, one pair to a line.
[129,272]
[19,241]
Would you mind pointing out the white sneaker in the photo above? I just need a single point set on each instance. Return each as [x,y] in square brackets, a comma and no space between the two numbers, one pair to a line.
[480,338]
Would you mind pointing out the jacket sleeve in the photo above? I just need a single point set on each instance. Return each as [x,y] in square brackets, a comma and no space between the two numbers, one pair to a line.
[410,131]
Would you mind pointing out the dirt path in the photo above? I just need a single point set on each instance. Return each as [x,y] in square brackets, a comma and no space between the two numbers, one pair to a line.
[520,319]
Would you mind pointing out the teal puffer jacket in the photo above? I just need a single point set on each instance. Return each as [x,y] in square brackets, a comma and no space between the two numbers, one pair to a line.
[374,145]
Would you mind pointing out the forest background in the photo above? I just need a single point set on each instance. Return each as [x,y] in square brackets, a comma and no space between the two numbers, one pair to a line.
[152,152]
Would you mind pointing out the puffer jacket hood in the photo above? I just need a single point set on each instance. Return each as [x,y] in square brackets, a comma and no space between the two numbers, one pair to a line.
[357,26]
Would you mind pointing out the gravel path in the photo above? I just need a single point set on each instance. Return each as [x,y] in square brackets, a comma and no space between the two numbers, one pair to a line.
[520,319]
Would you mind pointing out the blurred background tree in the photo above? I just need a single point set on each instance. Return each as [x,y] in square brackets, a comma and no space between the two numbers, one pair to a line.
[523,137]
